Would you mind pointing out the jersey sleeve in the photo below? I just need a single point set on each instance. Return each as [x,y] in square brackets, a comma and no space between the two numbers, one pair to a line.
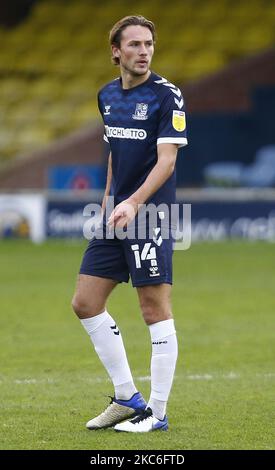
[100,110]
[172,119]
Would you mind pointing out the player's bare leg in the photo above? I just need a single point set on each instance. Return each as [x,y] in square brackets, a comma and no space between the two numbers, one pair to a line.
[91,295]
[89,303]
[155,303]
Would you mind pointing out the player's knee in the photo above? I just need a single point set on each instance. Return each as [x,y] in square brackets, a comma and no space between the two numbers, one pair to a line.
[79,306]
[153,312]
[148,313]
[84,309]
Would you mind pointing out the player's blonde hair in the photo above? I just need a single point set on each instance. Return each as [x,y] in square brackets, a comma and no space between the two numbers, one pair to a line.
[135,20]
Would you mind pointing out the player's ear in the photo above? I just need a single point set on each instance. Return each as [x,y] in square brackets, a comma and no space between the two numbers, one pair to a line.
[116,52]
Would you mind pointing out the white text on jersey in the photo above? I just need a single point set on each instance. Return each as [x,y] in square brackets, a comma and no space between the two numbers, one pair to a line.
[126,133]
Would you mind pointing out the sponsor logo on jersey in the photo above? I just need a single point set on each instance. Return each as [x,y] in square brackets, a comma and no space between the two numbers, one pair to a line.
[140,112]
[178,120]
[126,133]
[107,110]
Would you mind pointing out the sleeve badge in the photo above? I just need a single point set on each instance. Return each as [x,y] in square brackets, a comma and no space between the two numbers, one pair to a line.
[178,121]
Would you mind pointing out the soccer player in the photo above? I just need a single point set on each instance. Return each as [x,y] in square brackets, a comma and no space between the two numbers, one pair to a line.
[144,120]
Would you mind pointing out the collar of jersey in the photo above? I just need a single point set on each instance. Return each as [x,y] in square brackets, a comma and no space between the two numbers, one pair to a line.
[127,90]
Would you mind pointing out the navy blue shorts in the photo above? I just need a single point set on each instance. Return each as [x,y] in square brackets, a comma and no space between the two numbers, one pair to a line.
[147,261]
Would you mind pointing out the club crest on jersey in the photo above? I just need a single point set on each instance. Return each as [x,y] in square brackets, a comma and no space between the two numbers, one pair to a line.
[107,110]
[140,112]
[178,120]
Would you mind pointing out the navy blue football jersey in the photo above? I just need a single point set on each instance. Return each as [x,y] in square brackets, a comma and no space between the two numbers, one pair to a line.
[136,120]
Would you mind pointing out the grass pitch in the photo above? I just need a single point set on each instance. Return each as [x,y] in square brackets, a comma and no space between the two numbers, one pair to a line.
[51,381]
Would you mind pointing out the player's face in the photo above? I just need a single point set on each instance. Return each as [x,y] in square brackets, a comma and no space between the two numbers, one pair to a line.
[136,50]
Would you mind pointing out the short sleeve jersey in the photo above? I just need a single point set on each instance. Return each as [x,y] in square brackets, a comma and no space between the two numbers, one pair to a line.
[136,121]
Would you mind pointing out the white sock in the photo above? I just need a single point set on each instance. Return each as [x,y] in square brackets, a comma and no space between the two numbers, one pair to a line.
[109,346]
[163,364]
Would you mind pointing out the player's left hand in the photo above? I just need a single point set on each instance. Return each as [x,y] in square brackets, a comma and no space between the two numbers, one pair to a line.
[123,214]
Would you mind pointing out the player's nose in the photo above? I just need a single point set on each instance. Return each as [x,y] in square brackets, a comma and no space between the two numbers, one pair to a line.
[142,50]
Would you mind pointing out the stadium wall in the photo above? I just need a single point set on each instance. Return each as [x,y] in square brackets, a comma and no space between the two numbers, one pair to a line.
[216,215]
[30,171]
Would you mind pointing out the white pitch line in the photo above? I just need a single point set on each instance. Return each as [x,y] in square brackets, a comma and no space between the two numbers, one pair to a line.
[199,377]
[269,375]
[92,380]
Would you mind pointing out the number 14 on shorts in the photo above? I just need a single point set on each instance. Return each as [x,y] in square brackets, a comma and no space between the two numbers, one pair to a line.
[147,253]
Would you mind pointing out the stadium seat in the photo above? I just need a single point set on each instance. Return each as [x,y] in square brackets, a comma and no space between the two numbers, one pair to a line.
[261,173]
[59,56]
[223,174]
